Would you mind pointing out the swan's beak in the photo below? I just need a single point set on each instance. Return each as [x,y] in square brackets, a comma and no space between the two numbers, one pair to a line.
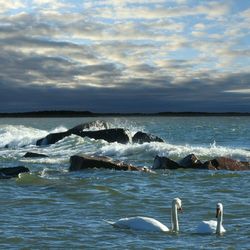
[218,212]
[180,209]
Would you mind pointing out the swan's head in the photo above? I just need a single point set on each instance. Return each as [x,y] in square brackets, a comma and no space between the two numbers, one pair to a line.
[219,209]
[177,203]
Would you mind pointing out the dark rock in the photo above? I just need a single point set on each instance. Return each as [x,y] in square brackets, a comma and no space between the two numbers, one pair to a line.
[223,163]
[164,163]
[141,137]
[34,155]
[6,173]
[52,138]
[82,162]
[110,135]
[190,161]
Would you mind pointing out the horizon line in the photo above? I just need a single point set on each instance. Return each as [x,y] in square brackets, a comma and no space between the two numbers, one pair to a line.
[69,113]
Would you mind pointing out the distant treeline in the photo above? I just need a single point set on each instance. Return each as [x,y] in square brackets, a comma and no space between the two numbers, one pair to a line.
[65,113]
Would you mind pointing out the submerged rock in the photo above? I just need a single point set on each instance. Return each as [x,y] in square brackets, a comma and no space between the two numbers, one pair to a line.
[6,173]
[141,137]
[34,155]
[82,162]
[109,135]
[164,163]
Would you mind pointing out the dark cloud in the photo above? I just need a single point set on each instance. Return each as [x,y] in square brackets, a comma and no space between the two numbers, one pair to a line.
[131,99]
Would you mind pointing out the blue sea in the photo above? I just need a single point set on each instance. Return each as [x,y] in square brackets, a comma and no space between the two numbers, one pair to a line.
[52,208]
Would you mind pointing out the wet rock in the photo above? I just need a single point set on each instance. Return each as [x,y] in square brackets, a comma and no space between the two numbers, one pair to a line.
[164,163]
[34,155]
[7,173]
[141,137]
[82,162]
[223,163]
[190,161]
[110,135]
[52,138]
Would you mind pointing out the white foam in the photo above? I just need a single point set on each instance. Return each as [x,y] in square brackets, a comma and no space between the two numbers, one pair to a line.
[58,130]
[171,150]
[18,136]
[130,126]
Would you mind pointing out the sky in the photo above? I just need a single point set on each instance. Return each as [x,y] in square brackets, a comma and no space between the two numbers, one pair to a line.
[125,55]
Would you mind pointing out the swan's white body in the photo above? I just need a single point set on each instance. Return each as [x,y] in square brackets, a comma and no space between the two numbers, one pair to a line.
[150,224]
[212,226]
[141,223]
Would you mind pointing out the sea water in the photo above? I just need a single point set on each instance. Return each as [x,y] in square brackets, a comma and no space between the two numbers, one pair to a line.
[52,208]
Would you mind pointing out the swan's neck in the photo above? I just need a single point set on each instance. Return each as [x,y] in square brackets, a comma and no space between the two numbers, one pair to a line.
[219,223]
[174,218]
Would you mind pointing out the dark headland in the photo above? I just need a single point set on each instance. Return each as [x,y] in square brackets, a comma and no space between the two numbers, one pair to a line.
[67,113]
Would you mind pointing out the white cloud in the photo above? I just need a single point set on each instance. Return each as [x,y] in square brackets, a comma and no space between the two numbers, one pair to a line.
[199,26]
[238,91]
[10,5]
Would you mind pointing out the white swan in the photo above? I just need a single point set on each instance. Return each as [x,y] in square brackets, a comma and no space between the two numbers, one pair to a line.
[212,226]
[150,224]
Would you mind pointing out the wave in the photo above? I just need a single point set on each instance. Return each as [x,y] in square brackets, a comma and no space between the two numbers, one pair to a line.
[173,151]
[31,179]
[19,135]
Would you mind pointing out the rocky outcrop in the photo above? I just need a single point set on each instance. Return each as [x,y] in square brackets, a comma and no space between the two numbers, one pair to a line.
[164,163]
[191,161]
[34,155]
[223,163]
[52,138]
[7,173]
[78,130]
[141,137]
[82,162]
[110,135]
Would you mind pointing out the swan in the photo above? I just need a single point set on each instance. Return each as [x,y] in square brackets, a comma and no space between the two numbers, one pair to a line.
[150,224]
[212,226]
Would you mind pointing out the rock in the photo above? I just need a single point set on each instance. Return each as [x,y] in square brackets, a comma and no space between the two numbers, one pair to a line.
[141,137]
[223,163]
[190,161]
[6,173]
[110,135]
[52,138]
[164,163]
[82,162]
[34,155]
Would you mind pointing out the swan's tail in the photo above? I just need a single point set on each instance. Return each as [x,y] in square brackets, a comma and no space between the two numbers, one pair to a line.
[110,222]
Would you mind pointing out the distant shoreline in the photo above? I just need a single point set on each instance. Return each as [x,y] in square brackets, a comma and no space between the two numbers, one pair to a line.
[63,113]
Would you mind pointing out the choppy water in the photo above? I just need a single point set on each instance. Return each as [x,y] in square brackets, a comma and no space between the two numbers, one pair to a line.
[54,209]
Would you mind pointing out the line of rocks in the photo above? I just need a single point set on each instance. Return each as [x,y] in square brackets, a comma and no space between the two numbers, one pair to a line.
[104,132]
[191,161]
[82,161]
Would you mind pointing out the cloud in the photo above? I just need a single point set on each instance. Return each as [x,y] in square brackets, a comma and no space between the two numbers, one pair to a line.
[137,54]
